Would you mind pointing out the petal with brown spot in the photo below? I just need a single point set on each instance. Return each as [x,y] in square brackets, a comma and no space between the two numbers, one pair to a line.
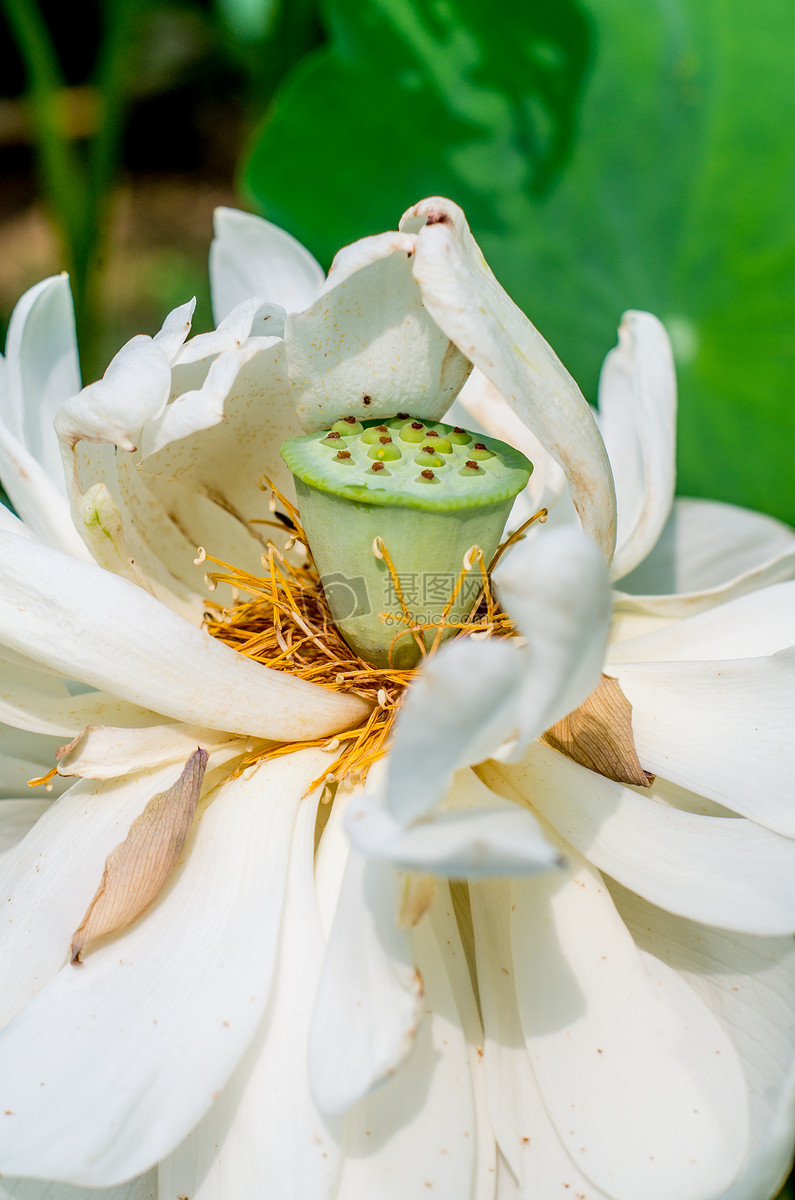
[599,735]
[137,869]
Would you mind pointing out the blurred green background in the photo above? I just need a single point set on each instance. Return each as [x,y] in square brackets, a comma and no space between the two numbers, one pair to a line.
[609,155]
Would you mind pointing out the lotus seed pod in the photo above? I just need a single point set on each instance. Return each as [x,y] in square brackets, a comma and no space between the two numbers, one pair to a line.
[427,517]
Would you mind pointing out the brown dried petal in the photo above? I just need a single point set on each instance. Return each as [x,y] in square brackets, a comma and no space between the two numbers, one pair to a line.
[137,869]
[598,735]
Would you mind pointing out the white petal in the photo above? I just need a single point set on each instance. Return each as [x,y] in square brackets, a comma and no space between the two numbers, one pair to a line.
[637,417]
[721,871]
[252,257]
[49,879]
[367,346]
[480,406]
[450,925]
[41,351]
[723,729]
[555,589]
[143,1188]
[128,529]
[473,836]
[37,498]
[175,329]
[107,751]
[253,317]
[132,1047]
[264,1132]
[36,747]
[258,417]
[15,773]
[462,706]
[17,818]
[368,1002]
[748,983]
[417,1134]
[203,407]
[524,1132]
[750,626]
[465,300]
[134,389]
[641,1083]
[473,696]
[707,554]
[40,373]
[104,631]
[10,523]
[39,702]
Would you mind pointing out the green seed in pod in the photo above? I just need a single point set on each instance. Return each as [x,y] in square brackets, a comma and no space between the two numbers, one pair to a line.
[385,451]
[480,452]
[347,426]
[427,458]
[414,431]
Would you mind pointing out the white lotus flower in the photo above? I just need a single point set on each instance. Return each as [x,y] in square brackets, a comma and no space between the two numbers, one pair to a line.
[637,1035]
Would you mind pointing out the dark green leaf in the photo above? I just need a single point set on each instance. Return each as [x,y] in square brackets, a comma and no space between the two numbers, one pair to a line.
[677,198]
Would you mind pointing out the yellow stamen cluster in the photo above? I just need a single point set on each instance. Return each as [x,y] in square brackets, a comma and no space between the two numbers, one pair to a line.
[286,625]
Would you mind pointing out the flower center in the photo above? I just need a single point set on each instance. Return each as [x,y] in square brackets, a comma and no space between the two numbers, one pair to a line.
[298,616]
[391,511]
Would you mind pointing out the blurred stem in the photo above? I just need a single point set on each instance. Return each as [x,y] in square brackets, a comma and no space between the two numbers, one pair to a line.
[64,181]
[78,186]
[113,76]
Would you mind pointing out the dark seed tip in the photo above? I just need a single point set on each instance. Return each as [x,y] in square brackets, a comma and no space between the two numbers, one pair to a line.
[427,474]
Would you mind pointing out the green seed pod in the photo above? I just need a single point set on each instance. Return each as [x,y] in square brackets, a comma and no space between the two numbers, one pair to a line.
[427,520]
